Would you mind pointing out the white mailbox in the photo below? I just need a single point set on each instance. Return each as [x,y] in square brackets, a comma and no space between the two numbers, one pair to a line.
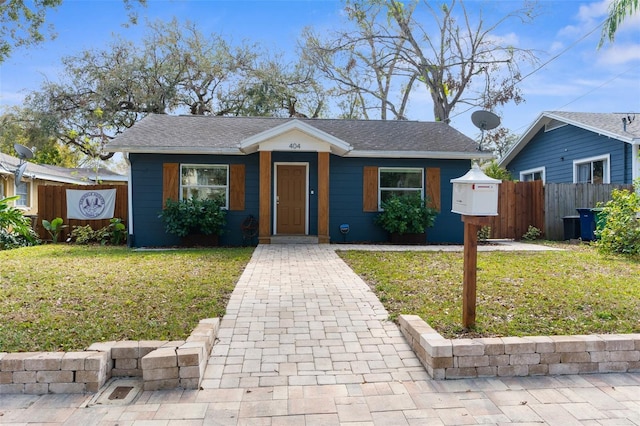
[475,194]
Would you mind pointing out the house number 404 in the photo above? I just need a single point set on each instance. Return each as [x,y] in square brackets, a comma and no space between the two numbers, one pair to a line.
[294,145]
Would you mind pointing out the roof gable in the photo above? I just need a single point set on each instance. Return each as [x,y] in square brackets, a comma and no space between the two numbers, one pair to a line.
[610,125]
[294,136]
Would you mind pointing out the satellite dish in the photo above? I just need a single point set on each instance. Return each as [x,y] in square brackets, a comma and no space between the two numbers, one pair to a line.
[24,153]
[20,171]
[485,120]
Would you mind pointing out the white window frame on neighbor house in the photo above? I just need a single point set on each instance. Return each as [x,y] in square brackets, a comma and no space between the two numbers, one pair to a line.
[24,201]
[606,168]
[189,187]
[635,155]
[381,189]
[532,173]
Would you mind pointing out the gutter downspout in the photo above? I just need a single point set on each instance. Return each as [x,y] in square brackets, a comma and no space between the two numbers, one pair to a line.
[131,235]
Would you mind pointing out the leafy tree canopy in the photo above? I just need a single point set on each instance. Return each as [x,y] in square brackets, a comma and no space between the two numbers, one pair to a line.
[20,126]
[619,10]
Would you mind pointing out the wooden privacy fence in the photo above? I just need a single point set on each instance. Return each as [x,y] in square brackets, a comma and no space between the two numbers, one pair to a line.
[523,204]
[520,204]
[52,203]
[562,200]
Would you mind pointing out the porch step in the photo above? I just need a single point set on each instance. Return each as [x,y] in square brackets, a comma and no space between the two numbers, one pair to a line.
[294,239]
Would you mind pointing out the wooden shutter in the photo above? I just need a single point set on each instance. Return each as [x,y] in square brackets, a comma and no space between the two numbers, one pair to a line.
[432,185]
[236,186]
[370,189]
[170,182]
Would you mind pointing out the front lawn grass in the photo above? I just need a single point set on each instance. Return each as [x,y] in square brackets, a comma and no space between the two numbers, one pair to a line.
[60,297]
[576,291]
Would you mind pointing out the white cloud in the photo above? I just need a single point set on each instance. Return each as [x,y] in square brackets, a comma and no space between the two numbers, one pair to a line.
[570,31]
[11,98]
[556,46]
[509,39]
[619,54]
[588,16]
[593,11]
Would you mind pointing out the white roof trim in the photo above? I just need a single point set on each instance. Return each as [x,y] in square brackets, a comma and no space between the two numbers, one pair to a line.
[179,150]
[422,154]
[352,153]
[524,140]
[252,143]
[55,178]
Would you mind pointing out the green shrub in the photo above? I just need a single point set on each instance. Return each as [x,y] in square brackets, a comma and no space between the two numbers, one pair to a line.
[11,240]
[84,234]
[116,232]
[532,234]
[484,234]
[618,228]
[54,228]
[495,171]
[15,227]
[407,214]
[194,216]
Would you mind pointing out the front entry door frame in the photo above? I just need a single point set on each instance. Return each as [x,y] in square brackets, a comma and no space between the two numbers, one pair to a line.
[275,195]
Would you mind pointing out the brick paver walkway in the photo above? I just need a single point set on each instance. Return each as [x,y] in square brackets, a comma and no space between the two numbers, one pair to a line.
[305,342]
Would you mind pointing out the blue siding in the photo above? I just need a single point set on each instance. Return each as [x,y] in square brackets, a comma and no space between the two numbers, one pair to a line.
[557,149]
[345,196]
[147,203]
[346,193]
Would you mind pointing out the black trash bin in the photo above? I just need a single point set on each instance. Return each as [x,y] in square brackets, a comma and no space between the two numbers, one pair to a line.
[588,222]
[571,227]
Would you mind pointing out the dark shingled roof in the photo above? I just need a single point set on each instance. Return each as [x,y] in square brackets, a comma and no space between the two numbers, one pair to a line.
[201,134]
[611,123]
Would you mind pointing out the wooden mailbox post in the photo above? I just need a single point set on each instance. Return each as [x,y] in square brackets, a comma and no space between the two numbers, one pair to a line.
[475,197]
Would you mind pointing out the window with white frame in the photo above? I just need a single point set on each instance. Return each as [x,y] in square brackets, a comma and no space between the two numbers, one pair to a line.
[592,170]
[204,181]
[22,191]
[399,181]
[532,174]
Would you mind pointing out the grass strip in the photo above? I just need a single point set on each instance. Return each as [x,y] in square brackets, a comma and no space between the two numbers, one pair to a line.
[576,291]
[61,297]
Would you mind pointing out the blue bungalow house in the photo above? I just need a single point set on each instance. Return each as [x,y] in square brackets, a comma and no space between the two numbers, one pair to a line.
[577,147]
[297,177]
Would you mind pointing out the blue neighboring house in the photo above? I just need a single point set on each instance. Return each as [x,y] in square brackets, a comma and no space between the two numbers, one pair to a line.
[297,177]
[577,147]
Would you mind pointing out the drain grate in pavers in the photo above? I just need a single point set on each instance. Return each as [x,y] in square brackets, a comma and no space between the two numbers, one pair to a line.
[119,391]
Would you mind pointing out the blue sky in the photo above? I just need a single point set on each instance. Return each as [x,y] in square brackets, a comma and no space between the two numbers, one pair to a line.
[581,79]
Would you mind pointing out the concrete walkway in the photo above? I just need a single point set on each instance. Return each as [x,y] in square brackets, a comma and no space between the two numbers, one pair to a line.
[305,342]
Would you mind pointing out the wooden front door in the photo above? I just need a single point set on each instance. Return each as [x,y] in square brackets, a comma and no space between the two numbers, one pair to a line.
[291,200]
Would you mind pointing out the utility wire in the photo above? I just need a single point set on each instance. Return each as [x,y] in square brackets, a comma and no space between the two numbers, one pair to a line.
[571,46]
[596,88]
